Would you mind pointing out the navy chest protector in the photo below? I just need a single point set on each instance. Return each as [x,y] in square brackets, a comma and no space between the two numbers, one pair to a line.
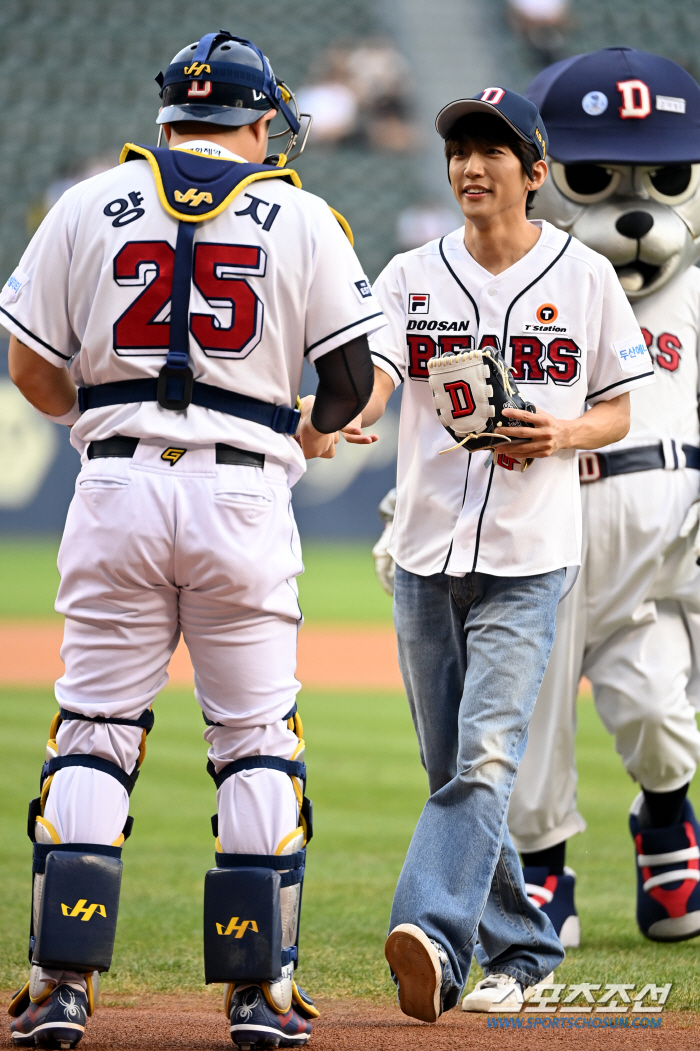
[192,188]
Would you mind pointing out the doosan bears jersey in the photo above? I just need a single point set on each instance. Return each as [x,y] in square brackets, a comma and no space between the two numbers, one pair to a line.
[670,323]
[275,278]
[567,329]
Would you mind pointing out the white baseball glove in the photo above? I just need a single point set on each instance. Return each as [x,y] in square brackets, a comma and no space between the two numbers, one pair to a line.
[470,391]
[383,562]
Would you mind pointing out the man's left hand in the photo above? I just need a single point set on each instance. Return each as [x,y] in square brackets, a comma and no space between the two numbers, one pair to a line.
[548,436]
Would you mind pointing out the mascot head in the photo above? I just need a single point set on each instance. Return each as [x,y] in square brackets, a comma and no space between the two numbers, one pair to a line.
[624,135]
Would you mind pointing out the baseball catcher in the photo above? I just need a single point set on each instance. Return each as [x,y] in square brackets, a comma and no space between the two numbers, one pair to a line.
[164,310]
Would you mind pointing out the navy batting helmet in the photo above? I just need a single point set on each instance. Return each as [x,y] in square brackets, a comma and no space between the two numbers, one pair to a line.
[223,79]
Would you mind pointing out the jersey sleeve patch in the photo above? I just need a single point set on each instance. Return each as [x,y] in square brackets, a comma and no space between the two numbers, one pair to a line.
[364,289]
[631,353]
[14,285]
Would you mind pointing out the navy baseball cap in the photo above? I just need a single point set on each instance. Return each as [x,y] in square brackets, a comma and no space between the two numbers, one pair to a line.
[520,113]
[619,105]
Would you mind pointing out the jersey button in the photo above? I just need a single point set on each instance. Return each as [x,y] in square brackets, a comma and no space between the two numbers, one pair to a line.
[492,292]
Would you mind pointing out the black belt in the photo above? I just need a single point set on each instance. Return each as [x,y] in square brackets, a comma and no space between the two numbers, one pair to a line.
[120,445]
[592,466]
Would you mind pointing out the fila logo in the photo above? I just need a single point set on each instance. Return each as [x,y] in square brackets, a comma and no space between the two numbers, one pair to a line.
[492,95]
[239,928]
[418,303]
[194,196]
[196,69]
[199,89]
[636,100]
[87,910]
[171,455]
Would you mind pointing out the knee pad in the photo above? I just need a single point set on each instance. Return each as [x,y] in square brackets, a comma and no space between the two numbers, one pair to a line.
[76,903]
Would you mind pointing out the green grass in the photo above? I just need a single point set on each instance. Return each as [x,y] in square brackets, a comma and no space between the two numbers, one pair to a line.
[368,790]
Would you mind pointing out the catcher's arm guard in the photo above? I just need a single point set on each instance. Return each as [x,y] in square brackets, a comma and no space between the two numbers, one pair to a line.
[470,391]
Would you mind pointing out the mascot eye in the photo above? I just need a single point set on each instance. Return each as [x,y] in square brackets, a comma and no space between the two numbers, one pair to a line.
[672,180]
[588,179]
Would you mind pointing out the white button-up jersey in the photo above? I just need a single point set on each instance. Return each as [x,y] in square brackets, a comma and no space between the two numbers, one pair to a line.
[274,279]
[567,329]
[670,323]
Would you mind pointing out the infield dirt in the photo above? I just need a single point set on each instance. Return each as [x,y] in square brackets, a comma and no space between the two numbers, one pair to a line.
[169,1022]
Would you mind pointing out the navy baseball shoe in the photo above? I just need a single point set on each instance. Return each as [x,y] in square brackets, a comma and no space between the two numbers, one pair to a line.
[554,895]
[256,1024]
[668,876]
[58,1022]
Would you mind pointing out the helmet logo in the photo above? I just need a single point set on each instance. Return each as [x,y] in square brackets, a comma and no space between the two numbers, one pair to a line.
[492,95]
[636,100]
[196,68]
[199,89]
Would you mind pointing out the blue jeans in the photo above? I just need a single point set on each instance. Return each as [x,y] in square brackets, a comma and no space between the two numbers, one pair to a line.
[472,652]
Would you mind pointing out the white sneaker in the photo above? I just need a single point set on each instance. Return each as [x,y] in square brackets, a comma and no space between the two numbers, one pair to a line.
[418,963]
[500,992]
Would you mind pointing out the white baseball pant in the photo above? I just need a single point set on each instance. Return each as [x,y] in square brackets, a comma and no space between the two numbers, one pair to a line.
[630,625]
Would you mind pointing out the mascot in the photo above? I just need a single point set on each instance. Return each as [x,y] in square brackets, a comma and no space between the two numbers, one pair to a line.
[624,132]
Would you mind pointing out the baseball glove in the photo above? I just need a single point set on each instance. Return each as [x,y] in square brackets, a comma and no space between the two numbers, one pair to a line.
[470,391]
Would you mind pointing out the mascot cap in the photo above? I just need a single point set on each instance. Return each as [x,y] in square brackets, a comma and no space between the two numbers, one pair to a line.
[522,115]
[222,79]
[619,105]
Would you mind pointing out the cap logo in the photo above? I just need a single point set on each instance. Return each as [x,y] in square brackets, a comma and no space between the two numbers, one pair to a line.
[492,95]
[196,68]
[636,99]
[594,103]
[199,89]
[540,139]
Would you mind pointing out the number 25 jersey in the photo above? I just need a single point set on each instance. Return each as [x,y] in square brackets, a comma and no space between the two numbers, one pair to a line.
[274,279]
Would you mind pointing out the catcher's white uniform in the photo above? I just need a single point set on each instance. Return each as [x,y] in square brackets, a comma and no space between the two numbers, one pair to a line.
[632,621]
[157,544]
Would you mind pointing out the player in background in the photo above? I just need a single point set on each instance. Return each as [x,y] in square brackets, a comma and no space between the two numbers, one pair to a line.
[481,547]
[625,179]
[164,310]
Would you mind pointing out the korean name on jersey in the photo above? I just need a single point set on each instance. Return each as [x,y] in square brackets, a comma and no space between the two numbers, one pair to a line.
[565,326]
[274,279]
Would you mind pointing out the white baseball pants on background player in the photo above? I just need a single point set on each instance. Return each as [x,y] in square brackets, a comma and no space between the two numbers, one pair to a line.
[631,626]
[151,549]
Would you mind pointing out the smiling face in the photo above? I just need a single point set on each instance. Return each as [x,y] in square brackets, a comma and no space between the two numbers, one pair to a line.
[491,170]
[644,218]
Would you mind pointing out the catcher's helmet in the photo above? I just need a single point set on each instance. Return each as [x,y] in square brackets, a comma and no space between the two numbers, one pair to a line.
[223,79]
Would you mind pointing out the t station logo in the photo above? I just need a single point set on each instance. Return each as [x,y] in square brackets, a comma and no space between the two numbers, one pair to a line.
[546,315]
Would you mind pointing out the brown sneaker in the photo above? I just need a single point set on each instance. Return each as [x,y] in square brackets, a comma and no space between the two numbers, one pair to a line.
[418,962]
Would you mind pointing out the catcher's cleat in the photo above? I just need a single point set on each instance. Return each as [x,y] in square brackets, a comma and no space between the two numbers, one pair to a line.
[57,1023]
[500,992]
[668,876]
[418,964]
[255,1024]
[554,895]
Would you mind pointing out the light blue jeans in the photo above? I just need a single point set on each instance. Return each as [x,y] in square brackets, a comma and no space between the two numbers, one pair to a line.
[472,652]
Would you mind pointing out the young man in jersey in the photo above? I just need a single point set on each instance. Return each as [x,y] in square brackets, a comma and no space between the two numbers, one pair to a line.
[482,548]
[179,292]
[626,173]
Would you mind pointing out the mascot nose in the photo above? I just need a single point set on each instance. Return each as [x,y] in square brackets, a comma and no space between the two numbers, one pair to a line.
[634,225]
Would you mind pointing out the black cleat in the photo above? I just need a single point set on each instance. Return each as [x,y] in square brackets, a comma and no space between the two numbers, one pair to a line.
[255,1025]
[57,1023]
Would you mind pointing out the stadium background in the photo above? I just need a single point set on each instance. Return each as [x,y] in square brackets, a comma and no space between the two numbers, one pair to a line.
[76,84]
